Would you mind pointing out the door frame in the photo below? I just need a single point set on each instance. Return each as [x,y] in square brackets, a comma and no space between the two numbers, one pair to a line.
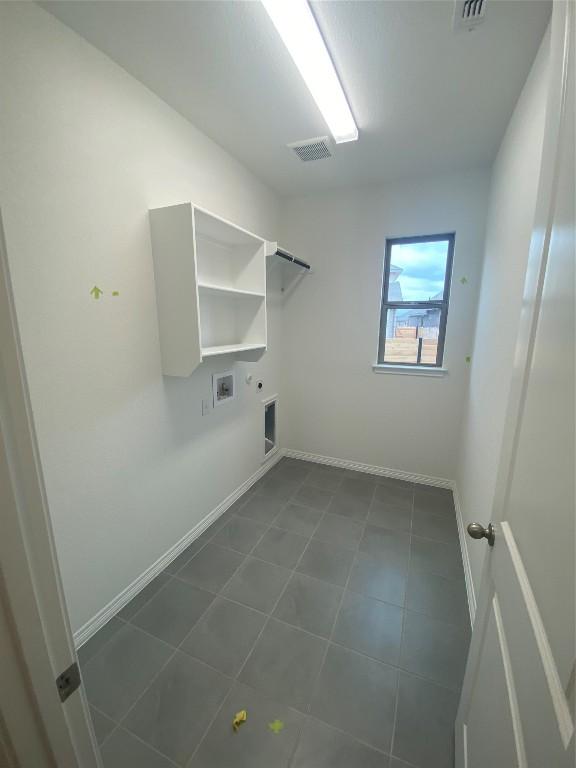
[33,610]
[561,44]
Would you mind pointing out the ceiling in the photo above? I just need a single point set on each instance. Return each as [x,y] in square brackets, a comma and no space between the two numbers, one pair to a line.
[426,99]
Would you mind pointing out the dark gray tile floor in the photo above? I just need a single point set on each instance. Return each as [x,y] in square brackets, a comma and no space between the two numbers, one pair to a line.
[327,603]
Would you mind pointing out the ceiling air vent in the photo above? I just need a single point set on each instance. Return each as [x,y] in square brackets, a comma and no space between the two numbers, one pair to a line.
[312,149]
[468,14]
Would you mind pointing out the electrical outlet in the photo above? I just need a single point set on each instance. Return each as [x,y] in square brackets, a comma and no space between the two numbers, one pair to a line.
[206,405]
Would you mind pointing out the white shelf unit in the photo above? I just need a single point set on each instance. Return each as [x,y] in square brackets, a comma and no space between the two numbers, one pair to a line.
[210,280]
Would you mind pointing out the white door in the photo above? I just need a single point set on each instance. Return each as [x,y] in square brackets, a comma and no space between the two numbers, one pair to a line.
[517,701]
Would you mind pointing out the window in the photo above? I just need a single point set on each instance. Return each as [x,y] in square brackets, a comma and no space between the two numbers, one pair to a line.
[415,292]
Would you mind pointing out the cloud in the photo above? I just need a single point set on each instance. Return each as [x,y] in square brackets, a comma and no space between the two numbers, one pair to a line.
[423,268]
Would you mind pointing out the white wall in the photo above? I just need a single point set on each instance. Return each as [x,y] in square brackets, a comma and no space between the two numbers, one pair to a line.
[337,406]
[510,219]
[85,150]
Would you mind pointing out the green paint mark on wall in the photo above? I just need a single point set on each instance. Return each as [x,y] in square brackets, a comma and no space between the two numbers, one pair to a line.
[115,293]
[468,358]
[463,280]
[96,292]
[276,726]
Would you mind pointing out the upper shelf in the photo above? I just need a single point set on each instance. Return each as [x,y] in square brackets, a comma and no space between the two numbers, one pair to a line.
[220,231]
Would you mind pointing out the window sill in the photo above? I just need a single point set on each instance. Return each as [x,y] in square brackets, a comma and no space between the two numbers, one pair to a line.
[410,370]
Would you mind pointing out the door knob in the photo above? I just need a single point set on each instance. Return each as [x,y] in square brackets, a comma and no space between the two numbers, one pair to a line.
[477,531]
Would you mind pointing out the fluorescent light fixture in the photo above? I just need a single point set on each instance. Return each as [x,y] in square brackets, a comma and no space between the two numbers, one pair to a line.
[297,27]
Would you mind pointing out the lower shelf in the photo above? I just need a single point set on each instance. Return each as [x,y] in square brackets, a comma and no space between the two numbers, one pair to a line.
[229,349]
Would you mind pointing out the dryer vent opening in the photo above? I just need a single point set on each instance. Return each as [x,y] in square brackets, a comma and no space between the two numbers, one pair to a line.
[269,427]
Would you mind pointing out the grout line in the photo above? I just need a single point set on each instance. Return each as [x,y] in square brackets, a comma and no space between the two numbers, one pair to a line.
[108,735]
[454,543]
[395,719]
[335,622]
[240,552]
[101,712]
[269,616]
[113,635]
[175,650]
[266,623]
[150,684]
[248,555]
[314,688]
[297,740]
[146,744]
[350,736]
[280,596]
[208,540]
[210,724]
[162,588]
[122,720]
[144,692]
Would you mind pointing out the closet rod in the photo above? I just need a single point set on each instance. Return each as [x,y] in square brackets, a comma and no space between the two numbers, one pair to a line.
[293,259]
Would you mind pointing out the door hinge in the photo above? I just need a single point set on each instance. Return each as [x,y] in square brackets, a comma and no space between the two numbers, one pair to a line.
[68,681]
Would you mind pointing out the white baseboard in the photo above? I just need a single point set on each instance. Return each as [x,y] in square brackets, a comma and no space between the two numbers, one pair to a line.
[102,617]
[356,466]
[470,591]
